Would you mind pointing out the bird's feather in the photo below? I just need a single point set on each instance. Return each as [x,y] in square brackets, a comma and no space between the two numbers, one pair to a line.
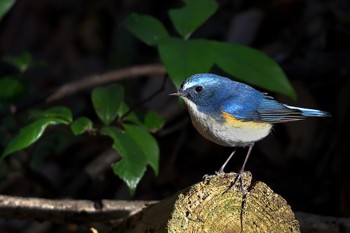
[269,110]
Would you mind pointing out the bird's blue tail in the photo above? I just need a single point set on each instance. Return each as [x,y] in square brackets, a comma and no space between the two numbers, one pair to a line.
[310,112]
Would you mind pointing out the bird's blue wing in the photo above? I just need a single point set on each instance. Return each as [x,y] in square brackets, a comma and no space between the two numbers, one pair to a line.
[243,105]
[249,104]
[272,111]
[260,108]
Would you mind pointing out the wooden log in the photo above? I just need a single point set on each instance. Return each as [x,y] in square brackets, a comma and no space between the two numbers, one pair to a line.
[209,206]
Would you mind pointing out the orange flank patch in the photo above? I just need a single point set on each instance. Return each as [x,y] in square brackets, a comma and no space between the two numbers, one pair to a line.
[234,122]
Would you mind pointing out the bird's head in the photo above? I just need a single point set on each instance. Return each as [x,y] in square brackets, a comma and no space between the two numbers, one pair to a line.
[204,89]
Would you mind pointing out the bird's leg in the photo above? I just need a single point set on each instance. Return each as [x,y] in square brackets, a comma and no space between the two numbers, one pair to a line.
[221,170]
[240,173]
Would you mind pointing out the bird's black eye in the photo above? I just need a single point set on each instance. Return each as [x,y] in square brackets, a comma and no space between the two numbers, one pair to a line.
[198,88]
[182,85]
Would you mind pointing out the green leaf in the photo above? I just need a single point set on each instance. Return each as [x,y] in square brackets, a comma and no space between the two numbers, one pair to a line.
[106,101]
[147,28]
[30,134]
[123,108]
[147,143]
[192,15]
[251,66]
[183,58]
[131,117]
[81,125]
[60,112]
[153,121]
[10,87]
[21,62]
[133,164]
[5,6]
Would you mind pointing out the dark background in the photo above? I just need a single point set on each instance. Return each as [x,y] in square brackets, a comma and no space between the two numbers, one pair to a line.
[306,162]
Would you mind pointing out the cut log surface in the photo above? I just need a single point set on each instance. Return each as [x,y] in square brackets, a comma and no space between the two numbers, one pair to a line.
[209,206]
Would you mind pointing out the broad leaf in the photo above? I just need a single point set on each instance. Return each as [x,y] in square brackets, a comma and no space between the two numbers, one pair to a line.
[30,134]
[147,143]
[106,101]
[130,117]
[10,87]
[183,58]
[133,164]
[21,62]
[251,66]
[153,121]
[5,6]
[60,112]
[147,28]
[81,125]
[192,15]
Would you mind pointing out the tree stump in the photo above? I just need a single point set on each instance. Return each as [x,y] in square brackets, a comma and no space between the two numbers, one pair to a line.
[209,206]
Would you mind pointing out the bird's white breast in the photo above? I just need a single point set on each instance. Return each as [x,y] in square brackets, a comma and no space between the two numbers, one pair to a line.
[232,132]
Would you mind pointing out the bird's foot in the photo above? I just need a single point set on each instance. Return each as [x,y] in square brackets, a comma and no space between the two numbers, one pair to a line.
[221,171]
[206,177]
[239,180]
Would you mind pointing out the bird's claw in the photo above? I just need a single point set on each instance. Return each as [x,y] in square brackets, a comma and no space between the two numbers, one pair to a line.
[239,178]
[207,176]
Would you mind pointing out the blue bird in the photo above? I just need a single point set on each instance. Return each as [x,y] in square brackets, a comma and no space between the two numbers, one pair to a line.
[234,114]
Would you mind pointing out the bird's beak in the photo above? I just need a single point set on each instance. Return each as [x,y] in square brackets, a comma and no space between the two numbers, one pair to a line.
[179,93]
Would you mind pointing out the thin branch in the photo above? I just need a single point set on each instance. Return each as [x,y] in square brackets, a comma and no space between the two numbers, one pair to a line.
[64,211]
[90,81]
[142,102]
